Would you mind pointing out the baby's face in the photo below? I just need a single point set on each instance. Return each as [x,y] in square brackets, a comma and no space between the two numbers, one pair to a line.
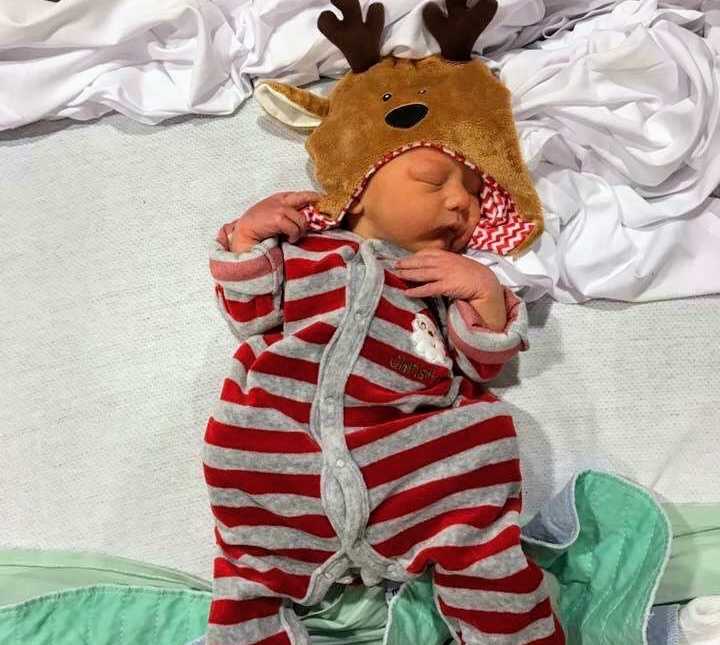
[422,199]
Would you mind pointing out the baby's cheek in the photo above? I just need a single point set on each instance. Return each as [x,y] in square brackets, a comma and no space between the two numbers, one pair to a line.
[412,222]
[413,218]
[427,212]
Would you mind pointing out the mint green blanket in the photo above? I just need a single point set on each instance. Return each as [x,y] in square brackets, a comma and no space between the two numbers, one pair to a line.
[603,541]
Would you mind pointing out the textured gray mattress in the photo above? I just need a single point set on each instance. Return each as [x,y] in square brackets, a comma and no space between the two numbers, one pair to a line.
[112,351]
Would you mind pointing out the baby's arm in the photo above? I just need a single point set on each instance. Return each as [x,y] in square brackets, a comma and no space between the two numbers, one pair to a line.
[246,263]
[480,347]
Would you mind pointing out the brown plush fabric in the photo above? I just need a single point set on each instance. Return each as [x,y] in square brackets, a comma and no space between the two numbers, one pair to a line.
[468,110]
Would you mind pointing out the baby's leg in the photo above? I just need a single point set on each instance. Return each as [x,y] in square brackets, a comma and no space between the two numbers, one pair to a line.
[266,559]
[271,530]
[252,602]
[490,593]
[252,621]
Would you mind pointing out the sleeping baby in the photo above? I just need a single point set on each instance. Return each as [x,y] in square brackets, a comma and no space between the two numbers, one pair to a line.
[354,436]
[355,440]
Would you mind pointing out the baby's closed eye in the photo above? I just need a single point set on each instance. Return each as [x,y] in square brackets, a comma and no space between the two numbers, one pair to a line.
[430,174]
[438,177]
[432,181]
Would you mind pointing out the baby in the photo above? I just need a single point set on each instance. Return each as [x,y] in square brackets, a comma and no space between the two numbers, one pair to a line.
[354,438]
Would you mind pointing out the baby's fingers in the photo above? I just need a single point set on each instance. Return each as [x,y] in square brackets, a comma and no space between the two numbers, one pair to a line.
[293,224]
[425,290]
[416,261]
[420,274]
[301,198]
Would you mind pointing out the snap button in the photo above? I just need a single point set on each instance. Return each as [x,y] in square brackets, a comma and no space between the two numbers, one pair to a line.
[328,575]
[359,314]
[339,463]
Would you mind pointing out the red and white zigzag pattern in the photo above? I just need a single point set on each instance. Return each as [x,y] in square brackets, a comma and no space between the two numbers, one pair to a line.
[501,228]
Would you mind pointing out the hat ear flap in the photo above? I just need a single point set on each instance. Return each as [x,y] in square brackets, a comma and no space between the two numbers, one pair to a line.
[291,105]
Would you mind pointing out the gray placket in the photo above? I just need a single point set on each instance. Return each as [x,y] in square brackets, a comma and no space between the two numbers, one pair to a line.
[345,499]
[344,494]
[343,490]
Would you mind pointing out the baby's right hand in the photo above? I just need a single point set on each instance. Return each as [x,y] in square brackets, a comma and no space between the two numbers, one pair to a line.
[274,215]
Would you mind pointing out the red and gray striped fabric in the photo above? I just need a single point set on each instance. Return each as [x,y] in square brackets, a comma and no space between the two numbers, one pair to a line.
[341,446]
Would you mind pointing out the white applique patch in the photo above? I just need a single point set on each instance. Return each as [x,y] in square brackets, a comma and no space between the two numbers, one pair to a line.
[428,341]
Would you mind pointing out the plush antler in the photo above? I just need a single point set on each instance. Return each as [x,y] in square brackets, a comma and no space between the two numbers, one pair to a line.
[458,31]
[358,40]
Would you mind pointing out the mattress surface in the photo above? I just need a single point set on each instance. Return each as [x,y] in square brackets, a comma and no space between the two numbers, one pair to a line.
[112,351]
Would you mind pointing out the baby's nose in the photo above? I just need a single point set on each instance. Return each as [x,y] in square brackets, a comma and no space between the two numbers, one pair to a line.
[460,202]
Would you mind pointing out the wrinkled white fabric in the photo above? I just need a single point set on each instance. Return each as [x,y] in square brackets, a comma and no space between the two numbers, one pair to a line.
[619,125]
[699,621]
[617,106]
[147,60]
[151,61]
[154,60]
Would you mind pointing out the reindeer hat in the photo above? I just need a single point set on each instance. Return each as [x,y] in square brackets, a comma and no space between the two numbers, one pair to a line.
[384,107]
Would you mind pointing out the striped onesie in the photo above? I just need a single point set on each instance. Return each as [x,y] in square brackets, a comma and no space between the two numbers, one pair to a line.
[353,439]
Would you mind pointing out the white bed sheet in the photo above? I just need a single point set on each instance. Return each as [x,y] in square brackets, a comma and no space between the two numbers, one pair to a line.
[112,351]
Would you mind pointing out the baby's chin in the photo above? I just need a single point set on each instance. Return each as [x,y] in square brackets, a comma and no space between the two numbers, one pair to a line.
[442,244]
[424,244]
[454,243]
[459,244]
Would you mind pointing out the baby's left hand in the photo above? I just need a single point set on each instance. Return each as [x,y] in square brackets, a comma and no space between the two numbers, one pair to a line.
[448,274]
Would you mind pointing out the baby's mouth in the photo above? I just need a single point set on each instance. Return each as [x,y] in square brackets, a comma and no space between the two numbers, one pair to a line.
[464,234]
[460,239]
